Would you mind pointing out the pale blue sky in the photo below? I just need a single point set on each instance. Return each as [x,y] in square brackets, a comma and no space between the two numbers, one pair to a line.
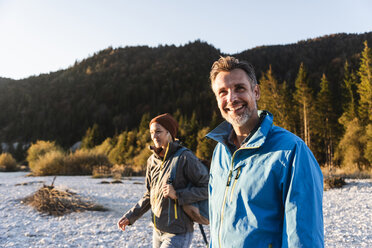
[40,36]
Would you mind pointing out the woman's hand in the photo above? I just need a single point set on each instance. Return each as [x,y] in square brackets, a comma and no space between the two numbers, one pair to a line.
[122,223]
[169,191]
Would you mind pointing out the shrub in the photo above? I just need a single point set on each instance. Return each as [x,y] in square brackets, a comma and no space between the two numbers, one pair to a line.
[117,171]
[140,161]
[7,162]
[334,182]
[38,150]
[83,161]
[352,147]
[205,146]
[51,163]
[56,162]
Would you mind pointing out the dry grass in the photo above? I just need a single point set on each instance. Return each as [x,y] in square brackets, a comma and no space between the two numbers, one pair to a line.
[352,173]
[101,172]
[117,172]
[336,177]
[49,200]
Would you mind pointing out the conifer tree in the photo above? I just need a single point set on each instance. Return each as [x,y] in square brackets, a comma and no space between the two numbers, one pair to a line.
[105,147]
[143,135]
[289,119]
[177,115]
[365,86]
[144,124]
[91,138]
[182,125]
[192,128]
[325,122]
[365,102]
[268,88]
[349,100]
[130,145]
[273,99]
[117,154]
[216,120]
[304,99]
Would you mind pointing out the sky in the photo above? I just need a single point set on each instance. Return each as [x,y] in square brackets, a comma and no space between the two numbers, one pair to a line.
[42,36]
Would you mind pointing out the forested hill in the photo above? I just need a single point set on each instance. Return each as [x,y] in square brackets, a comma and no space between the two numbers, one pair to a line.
[320,55]
[4,80]
[115,87]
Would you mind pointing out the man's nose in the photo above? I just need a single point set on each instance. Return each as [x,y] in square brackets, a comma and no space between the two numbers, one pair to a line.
[231,97]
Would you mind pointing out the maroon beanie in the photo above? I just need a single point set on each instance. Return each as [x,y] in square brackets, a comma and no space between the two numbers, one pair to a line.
[168,122]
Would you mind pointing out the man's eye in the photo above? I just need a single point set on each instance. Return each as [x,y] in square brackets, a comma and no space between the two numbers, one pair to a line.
[222,93]
[240,88]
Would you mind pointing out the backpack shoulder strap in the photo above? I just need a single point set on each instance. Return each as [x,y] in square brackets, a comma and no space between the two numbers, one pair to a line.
[174,164]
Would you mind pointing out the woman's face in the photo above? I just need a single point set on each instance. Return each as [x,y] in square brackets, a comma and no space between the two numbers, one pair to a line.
[159,135]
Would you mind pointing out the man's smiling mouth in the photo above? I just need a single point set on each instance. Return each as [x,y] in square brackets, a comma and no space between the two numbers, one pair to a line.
[234,109]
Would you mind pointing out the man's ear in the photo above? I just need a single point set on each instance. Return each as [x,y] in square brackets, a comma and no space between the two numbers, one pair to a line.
[257,92]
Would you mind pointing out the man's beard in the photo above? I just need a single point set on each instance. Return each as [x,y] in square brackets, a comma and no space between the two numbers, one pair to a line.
[239,120]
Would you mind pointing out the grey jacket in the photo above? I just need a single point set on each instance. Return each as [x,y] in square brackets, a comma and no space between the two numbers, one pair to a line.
[189,169]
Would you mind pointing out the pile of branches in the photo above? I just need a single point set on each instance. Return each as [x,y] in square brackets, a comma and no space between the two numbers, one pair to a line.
[49,200]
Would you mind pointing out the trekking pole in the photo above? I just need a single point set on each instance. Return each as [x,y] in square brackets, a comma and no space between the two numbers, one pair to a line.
[203,234]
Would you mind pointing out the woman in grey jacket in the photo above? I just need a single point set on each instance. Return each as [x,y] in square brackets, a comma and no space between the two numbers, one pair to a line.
[172,227]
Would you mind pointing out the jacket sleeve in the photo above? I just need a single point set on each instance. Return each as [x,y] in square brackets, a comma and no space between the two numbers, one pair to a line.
[196,173]
[143,205]
[302,200]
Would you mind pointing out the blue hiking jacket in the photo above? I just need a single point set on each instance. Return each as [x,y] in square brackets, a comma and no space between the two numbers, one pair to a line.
[268,193]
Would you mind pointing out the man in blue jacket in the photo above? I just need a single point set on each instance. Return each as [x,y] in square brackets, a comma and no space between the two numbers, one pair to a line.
[265,186]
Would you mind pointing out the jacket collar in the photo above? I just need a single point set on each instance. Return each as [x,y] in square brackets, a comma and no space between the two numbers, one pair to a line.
[222,131]
[172,148]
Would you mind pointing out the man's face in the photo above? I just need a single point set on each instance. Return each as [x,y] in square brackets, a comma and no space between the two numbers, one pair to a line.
[235,97]
[159,135]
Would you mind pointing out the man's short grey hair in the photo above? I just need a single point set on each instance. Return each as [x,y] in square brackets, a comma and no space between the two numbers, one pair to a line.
[230,63]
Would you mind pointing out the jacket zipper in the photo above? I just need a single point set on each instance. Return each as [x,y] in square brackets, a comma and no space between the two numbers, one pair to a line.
[157,183]
[235,180]
[223,206]
[232,190]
